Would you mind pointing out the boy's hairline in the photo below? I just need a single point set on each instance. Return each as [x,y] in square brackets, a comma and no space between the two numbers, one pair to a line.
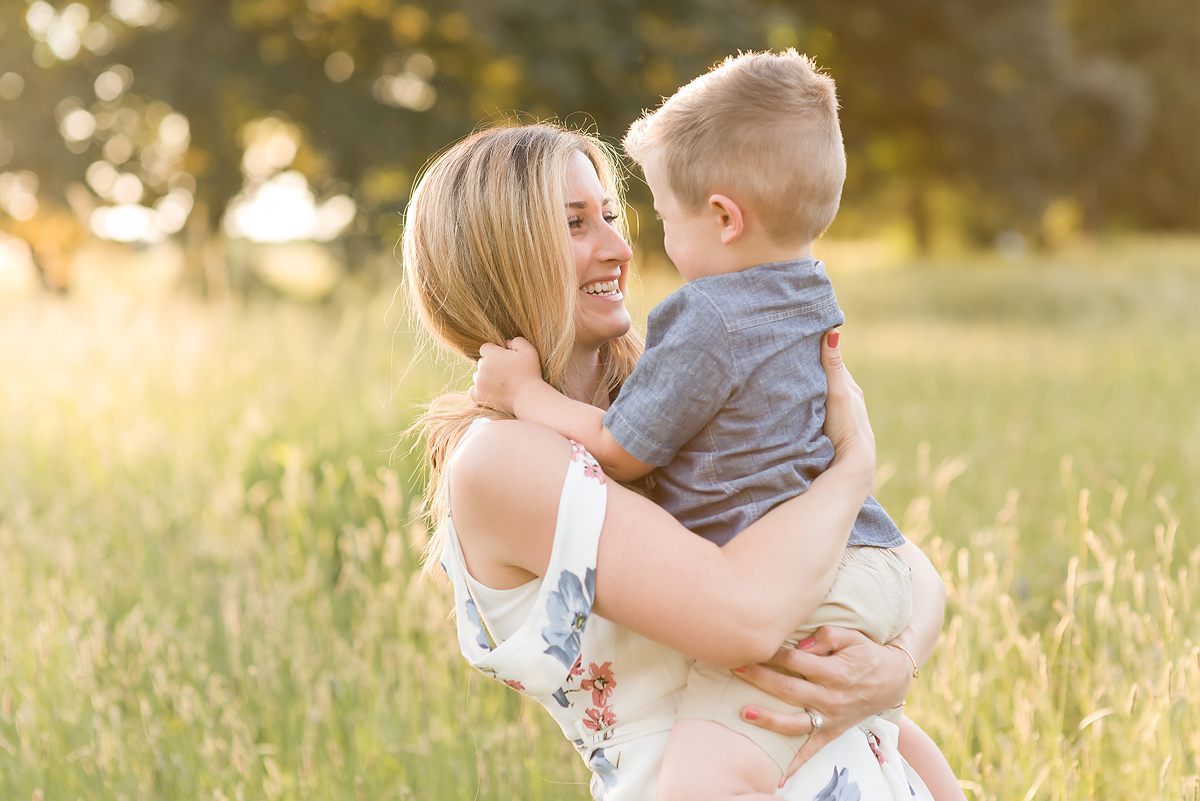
[644,142]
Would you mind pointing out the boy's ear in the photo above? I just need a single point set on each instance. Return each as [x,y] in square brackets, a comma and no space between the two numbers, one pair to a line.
[729,217]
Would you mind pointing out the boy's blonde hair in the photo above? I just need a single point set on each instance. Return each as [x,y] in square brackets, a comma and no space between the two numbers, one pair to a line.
[487,258]
[760,127]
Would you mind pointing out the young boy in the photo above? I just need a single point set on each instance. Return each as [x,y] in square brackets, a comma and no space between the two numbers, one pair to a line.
[746,165]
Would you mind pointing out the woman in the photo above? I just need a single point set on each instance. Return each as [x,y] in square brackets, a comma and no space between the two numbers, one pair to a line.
[535,539]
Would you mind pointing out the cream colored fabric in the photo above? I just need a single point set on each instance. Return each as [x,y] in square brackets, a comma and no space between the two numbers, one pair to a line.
[872,594]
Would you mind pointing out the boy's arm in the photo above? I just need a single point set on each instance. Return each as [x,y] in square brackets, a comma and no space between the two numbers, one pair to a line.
[510,379]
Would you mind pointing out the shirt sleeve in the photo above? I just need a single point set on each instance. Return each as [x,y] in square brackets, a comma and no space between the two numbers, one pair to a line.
[682,380]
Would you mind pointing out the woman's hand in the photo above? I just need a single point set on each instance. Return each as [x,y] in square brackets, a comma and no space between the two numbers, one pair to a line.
[846,422]
[839,674]
[502,372]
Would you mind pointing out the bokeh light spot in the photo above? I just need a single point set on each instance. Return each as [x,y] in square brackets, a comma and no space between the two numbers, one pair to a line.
[11,85]
[339,66]
[78,125]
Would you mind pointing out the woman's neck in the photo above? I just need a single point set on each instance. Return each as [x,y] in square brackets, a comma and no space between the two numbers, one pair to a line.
[583,375]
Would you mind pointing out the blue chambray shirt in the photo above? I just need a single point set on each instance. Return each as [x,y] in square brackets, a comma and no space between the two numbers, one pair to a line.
[728,400]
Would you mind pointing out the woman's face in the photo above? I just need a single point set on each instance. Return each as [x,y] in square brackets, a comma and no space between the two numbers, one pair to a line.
[601,257]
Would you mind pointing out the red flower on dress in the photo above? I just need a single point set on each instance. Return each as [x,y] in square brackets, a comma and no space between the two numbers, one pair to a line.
[577,670]
[599,719]
[516,685]
[873,741]
[601,683]
[592,470]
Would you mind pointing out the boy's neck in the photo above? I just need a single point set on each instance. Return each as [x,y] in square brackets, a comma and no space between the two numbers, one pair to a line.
[752,254]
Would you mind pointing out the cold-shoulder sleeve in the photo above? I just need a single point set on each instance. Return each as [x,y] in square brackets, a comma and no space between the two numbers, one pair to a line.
[538,657]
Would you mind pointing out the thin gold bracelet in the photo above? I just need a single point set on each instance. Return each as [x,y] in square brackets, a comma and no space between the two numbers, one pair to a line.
[916,670]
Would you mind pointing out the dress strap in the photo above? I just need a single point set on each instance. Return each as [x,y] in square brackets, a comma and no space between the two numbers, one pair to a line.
[538,657]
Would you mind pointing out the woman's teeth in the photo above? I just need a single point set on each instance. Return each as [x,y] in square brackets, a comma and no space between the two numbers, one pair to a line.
[603,288]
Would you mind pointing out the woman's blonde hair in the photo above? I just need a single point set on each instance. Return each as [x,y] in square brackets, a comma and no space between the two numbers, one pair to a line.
[487,258]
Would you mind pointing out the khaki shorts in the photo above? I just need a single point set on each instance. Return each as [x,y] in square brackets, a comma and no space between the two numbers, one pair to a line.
[872,593]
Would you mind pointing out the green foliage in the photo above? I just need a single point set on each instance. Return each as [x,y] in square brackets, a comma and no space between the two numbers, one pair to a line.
[209,560]
[1161,186]
[989,102]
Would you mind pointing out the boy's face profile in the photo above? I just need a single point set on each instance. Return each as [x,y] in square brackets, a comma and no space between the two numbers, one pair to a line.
[690,238]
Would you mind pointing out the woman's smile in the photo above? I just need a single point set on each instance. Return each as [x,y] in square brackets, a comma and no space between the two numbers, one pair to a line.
[601,257]
[609,290]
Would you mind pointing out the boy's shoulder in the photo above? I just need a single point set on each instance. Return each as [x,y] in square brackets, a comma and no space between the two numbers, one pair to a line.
[723,305]
[770,292]
[687,308]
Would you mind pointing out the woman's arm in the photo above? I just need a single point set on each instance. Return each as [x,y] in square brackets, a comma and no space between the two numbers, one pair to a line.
[929,606]
[726,606]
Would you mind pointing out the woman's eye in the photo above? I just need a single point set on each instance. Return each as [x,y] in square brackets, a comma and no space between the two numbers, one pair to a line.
[611,217]
[575,223]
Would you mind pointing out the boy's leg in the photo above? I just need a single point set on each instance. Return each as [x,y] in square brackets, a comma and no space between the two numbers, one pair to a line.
[712,752]
[923,756]
[705,761]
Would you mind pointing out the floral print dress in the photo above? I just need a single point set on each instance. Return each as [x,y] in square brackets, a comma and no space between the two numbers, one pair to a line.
[615,693]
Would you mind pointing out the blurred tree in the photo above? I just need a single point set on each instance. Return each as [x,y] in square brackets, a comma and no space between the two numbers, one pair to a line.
[128,101]
[986,98]
[1160,188]
[373,86]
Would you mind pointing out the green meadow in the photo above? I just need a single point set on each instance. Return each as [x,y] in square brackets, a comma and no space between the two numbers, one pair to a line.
[208,543]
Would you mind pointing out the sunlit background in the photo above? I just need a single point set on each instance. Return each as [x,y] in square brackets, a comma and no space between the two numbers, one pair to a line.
[209,539]
[1012,127]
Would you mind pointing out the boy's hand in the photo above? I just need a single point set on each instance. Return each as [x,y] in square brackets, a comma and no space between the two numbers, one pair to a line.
[502,372]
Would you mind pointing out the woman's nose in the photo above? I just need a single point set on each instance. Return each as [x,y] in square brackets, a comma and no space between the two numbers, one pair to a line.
[615,247]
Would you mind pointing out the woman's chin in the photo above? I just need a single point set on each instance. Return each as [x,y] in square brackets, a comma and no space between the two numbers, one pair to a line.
[597,332]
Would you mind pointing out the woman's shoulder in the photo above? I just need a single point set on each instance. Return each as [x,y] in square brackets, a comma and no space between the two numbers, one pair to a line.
[505,482]
[508,455]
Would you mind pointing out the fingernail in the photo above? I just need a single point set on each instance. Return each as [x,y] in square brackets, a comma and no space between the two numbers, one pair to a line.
[806,643]
[833,339]
[750,714]
[742,669]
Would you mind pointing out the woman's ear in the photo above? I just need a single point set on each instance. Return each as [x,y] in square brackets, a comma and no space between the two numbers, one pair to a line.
[729,217]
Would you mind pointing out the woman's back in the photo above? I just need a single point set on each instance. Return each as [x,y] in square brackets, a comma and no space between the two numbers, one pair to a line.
[614,693]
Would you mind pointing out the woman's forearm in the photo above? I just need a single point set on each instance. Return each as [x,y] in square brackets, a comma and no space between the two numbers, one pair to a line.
[929,605]
[799,543]
[726,606]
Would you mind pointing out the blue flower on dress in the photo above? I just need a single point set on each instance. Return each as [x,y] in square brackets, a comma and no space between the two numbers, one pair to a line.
[481,639]
[604,774]
[840,788]
[568,609]
[560,695]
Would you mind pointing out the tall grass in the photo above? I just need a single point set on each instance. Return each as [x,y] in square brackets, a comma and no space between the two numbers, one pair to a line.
[208,560]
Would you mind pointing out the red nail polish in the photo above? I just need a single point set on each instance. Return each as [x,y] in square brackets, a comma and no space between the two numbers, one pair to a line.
[806,643]
[833,339]
[741,669]
[750,714]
